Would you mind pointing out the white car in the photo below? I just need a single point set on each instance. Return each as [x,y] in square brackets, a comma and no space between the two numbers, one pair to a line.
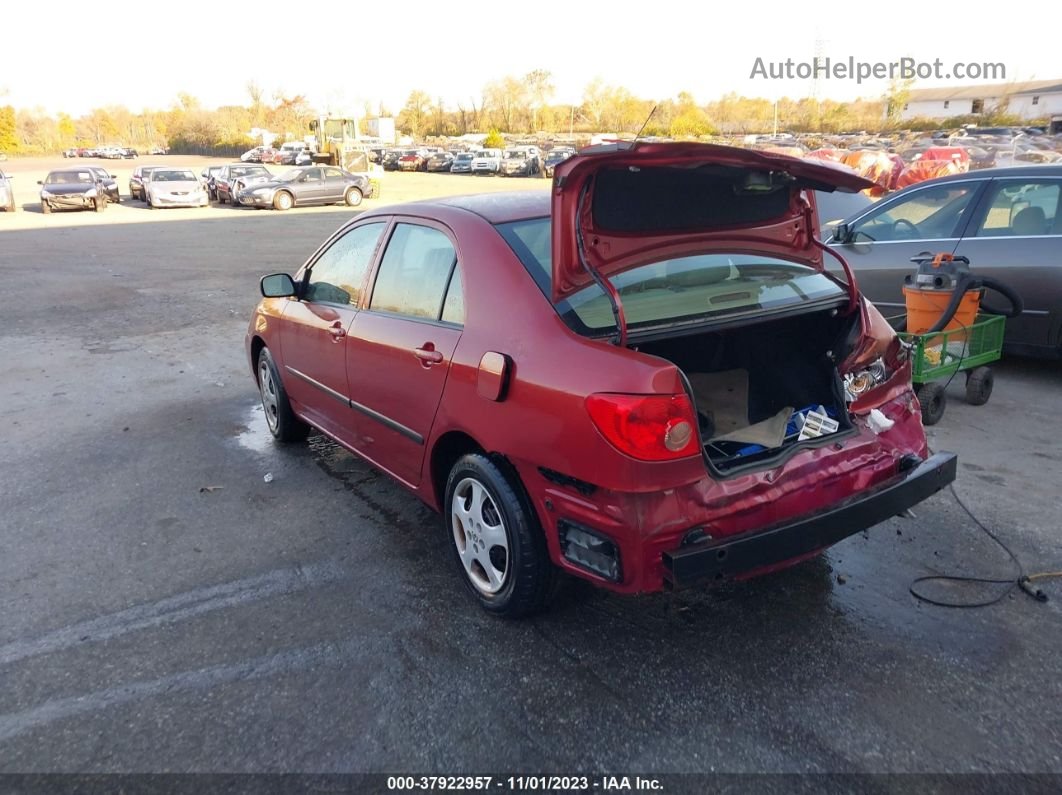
[487,161]
[174,187]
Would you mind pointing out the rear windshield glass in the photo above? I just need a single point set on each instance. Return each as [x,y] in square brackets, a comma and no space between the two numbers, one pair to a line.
[684,289]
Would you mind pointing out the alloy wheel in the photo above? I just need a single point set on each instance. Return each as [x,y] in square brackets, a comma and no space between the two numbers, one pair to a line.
[479,532]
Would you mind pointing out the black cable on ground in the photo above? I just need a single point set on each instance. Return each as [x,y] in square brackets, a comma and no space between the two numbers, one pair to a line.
[1018,580]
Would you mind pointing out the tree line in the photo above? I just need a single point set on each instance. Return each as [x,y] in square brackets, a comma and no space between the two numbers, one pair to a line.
[512,104]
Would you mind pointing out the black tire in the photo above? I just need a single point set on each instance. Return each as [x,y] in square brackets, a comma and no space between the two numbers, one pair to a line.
[150,204]
[353,197]
[283,201]
[979,383]
[99,204]
[221,199]
[528,577]
[280,419]
[934,400]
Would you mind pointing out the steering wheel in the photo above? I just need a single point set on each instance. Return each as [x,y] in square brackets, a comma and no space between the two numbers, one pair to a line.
[896,226]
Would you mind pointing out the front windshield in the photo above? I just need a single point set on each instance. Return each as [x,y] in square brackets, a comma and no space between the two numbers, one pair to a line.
[464,156]
[516,155]
[691,288]
[69,178]
[172,175]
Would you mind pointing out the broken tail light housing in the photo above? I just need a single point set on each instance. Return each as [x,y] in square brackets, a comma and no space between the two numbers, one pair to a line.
[646,427]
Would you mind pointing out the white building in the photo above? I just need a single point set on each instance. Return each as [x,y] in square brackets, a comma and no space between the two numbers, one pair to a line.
[1029,100]
[382,128]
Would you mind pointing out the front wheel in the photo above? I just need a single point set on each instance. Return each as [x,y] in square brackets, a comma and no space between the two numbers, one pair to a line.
[979,383]
[353,197]
[934,400]
[282,422]
[45,207]
[99,204]
[496,539]
[283,201]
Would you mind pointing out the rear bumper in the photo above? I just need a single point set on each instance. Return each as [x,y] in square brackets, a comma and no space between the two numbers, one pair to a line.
[716,560]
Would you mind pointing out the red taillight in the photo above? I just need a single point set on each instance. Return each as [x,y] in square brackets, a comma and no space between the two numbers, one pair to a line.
[646,427]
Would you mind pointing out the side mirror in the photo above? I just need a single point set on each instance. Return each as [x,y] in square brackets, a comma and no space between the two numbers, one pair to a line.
[40,182]
[842,233]
[278,285]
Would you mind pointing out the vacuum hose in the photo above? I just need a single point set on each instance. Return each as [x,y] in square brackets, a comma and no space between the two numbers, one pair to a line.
[968,281]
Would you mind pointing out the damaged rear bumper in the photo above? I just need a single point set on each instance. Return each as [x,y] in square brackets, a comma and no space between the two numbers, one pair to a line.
[716,560]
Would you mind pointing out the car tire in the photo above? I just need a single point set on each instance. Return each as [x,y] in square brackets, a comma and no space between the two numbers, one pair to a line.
[221,199]
[933,400]
[353,197]
[280,419]
[491,524]
[979,383]
[150,204]
[283,201]
[99,204]
[45,207]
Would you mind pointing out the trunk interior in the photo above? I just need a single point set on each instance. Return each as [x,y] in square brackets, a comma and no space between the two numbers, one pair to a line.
[761,389]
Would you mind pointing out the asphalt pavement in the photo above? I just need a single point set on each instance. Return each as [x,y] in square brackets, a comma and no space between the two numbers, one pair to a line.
[165,608]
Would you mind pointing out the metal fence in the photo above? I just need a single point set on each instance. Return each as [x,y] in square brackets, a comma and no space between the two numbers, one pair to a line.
[203,150]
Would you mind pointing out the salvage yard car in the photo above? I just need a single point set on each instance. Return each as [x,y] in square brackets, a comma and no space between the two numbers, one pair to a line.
[306,186]
[1006,221]
[645,377]
[175,187]
[7,194]
[72,189]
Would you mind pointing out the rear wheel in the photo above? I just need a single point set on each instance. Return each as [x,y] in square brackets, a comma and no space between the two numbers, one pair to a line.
[283,201]
[282,422]
[934,400]
[979,383]
[353,197]
[496,539]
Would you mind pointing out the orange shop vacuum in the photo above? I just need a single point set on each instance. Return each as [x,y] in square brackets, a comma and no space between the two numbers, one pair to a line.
[944,294]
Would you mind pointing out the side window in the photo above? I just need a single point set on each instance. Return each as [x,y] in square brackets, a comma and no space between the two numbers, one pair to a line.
[1022,209]
[333,174]
[311,175]
[414,272]
[337,275]
[929,213]
[454,305]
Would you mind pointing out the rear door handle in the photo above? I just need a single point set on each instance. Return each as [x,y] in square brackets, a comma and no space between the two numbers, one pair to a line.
[428,355]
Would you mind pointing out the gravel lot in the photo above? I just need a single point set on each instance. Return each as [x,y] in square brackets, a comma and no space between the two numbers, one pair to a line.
[166,608]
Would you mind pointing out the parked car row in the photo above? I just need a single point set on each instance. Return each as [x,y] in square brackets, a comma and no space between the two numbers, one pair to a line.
[106,152]
[240,184]
[514,161]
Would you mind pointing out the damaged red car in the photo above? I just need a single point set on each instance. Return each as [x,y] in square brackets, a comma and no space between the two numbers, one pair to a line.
[644,377]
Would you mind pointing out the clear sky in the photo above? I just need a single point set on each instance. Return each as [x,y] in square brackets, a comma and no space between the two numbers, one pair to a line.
[71,57]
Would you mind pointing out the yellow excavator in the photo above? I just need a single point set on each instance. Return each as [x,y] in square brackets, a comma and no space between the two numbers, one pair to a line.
[339,144]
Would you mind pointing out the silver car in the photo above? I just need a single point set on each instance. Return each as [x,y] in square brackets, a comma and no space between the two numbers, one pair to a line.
[1006,221]
[307,185]
[174,187]
[7,194]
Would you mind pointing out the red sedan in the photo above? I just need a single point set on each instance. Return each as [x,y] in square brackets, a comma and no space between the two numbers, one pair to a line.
[645,377]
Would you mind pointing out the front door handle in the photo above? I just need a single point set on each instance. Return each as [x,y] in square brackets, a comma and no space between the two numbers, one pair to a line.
[428,355]
[337,331]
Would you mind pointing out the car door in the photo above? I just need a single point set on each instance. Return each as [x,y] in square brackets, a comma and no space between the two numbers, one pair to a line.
[1016,237]
[400,348]
[881,242]
[310,187]
[335,185]
[314,331]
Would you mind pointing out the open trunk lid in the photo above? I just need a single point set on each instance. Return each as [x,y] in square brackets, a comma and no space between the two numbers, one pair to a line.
[619,206]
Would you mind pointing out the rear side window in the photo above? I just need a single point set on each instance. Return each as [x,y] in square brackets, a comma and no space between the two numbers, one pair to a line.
[414,272]
[338,274]
[1022,209]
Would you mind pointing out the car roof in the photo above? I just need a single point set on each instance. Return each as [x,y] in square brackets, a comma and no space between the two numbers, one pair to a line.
[1043,170]
[500,208]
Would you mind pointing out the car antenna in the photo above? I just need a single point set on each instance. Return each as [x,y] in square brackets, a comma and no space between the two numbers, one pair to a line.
[644,124]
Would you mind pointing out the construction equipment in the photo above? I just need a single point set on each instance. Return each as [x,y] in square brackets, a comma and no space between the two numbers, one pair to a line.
[338,143]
